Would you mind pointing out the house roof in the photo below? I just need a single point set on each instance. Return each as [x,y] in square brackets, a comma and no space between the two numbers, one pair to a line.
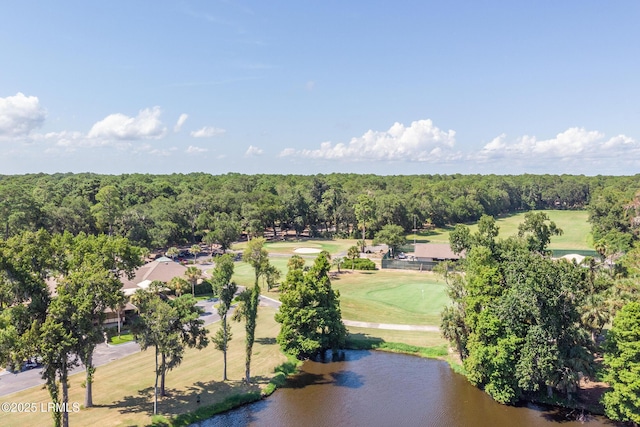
[434,250]
[162,269]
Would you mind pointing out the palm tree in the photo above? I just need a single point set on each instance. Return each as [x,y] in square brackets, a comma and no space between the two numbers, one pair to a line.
[194,250]
[595,314]
[352,253]
[271,276]
[337,261]
[173,252]
[178,284]
[192,275]
[144,254]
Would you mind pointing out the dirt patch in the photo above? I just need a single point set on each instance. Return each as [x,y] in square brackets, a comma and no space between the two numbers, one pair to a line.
[590,392]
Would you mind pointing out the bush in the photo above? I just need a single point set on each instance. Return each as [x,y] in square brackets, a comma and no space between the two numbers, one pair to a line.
[359,264]
[204,288]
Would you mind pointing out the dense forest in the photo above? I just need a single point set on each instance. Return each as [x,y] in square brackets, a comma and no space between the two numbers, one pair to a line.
[157,211]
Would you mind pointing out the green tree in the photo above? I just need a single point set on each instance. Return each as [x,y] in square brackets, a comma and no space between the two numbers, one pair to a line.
[225,232]
[271,276]
[515,313]
[391,235]
[337,262]
[247,311]
[538,231]
[153,328]
[622,365]
[310,311]
[108,207]
[258,258]
[194,250]
[169,327]
[364,211]
[173,252]
[88,270]
[56,346]
[193,274]
[178,285]
[226,290]
[352,254]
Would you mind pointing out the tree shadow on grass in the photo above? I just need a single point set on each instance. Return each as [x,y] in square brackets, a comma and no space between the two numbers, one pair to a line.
[266,341]
[140,403]
[180,401]
[361,341]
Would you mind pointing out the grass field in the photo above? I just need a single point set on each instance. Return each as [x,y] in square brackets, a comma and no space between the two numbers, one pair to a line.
[417,338]
[123,389]
[577,231]
[391,296]
[384,296]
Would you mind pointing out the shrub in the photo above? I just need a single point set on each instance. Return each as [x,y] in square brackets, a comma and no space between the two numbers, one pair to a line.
[204,288]
[359,264]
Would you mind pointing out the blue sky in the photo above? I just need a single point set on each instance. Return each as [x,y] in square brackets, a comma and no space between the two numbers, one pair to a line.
[403,87]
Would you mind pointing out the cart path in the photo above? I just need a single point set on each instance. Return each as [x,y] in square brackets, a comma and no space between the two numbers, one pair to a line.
[372,325]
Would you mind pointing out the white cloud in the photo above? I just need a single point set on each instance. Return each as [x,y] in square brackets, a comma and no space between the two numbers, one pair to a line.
[207,132]
[146,125]
[68,140]
[572,144]
[183,118]
[20,114]
[196,150]
[163,152]
[421,141]
[253,151]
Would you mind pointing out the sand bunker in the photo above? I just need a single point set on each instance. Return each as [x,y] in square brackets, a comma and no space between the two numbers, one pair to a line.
[307,251]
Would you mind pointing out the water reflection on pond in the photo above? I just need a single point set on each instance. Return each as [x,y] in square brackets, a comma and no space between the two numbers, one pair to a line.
[384,389]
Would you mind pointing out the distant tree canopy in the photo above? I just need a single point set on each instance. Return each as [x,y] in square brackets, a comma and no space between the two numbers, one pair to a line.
[164,210]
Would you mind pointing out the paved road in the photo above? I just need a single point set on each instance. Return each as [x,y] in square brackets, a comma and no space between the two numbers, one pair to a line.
[11,383]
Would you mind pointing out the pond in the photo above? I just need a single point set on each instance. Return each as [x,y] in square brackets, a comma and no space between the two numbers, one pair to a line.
[384,389]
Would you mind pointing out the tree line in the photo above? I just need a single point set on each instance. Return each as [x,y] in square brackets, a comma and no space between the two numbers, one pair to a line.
[158,211]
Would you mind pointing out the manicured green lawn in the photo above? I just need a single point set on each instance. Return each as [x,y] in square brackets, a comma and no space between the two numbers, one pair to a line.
[391,296]
[123,338]
[383,296]
[577,231]
[243,274]
[417,338]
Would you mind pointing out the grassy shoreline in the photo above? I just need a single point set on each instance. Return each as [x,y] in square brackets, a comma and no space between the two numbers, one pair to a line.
[291,366]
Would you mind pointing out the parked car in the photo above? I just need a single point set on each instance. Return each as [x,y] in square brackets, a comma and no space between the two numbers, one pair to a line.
[402,255]
[30,364]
